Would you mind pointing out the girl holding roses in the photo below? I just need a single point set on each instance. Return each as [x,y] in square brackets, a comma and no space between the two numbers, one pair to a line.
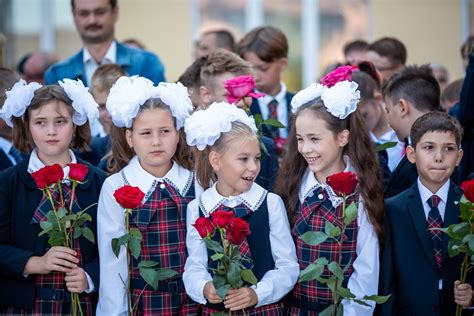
[149,153]
[227,164]
[36,278]
[328,137]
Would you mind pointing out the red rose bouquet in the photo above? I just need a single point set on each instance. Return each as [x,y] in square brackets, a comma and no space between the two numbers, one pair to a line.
[130,198]
[462,234]
[344,185]
[231,230]
[62,225]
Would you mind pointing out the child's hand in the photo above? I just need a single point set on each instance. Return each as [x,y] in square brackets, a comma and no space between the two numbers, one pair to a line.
[76,280]
[61,259]
[242,298]
[211,294]
[462,294]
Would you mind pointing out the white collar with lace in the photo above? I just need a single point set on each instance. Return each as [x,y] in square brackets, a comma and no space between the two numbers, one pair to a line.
[178,177]
[210,199]
[310,184]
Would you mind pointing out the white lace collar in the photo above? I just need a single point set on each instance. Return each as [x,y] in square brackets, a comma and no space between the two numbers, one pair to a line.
[178,177]
[210,199]
[310,184]
[35,164]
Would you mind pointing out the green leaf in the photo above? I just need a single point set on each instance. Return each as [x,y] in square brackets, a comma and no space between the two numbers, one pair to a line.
[69,217]
[453,247]
[248,276]
[233,275]
[322,260]
[469,239]
[213,245]
[88,234]
[218,314]
[258,119]
[217,256]
[336,270]
[163,274]
[350,213]
[345,292]
[460,230]
[331,283]
[135,232]
[379,299]
[46,225]
[386,145]
[115,246]
[135,245]
[61,212]
[77,232]
[331,230]
[148,264]
[314,238]
[222,291]
[218,280]
[328,311]
[56,238]
[361,302]
[311,272]
[150,277]
[273,123]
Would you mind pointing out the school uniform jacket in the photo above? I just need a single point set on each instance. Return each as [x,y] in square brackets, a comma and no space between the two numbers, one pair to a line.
[19,198]
[408,269]
[275,283]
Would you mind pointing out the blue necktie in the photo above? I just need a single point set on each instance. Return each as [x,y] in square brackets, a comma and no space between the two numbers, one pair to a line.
[435,221]
[15,154]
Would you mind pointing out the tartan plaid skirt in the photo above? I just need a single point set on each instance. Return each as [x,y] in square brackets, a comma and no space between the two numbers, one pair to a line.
[276,309]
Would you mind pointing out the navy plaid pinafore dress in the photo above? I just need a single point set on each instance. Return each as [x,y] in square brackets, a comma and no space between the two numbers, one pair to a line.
[162,222]
[311,297]
[52,296]
[256,247]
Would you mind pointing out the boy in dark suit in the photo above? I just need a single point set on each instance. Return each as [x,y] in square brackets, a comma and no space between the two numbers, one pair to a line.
[408,95]
[415,267]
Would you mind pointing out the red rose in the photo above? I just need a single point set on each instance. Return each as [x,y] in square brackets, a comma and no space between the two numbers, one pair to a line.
[129,197]
[77,171]
[237,230]
[48,176]
[204,226]
[343,183]
[339,74]
[239,88]
[468,188]
[221,219]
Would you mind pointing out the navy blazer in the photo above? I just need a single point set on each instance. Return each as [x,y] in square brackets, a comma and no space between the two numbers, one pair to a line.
[268,165]
[255,109]
[466,118]
[5,162]
[19,239]
[401,178]
[407,269]
[133,61]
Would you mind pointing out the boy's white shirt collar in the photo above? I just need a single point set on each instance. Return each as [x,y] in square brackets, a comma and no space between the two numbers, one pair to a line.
[425,193]
[310,183]
[178,177]
[110,56]
[35,164]
[210,199]
[280,97]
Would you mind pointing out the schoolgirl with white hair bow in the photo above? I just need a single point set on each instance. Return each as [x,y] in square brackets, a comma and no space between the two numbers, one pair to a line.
[48,121]
[148,152]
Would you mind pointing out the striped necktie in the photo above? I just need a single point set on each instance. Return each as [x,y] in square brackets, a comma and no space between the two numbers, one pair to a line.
[435,221]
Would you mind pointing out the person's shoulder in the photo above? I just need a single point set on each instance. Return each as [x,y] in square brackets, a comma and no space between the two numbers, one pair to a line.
[399,201]
[95,173]
[137,52]
[66,62]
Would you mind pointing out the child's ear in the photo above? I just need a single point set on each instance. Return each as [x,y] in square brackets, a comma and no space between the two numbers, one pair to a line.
[205,95]
[404,107]
[460,154]
[378,96]
[128,137]
[343,138]
[283,62]
[214,160]
[410,152]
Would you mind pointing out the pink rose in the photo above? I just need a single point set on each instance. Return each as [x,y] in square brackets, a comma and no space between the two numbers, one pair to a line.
[337,75]
[239,88]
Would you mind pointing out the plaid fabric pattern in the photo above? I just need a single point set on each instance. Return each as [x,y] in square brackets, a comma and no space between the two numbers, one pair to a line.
[241,211]
[272,107]
[162,222]
[276,309]
[45,205]
[312,216]
[435,221]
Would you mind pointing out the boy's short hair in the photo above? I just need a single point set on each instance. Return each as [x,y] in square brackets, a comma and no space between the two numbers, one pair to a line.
[224,39]
[415,84]
[391,48]
[267,42]
[355,45]
[105,76]
[466,46]
[222,61]
[435,122]
[452,92]
[191,77]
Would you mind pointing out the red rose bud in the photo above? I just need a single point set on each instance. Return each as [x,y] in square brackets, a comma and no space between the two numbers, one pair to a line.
[129,197]
[239,88]
[343,183]
[221,219]
[204,226]
[339,74]
[237,230]
[48,176]
[468,188]
[77,171]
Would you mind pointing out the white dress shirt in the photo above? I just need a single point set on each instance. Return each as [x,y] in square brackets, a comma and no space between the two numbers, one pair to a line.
[394,154]
[35,164]
[90,65]
[282,108]
[276,283]
[365,277]
[111,224]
